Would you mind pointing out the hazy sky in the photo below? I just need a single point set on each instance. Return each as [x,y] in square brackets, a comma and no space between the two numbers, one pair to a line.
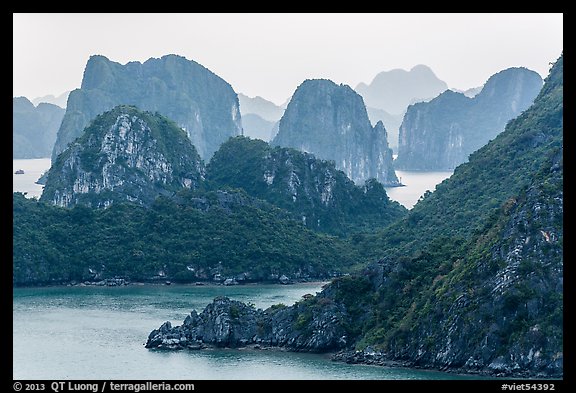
[271,54]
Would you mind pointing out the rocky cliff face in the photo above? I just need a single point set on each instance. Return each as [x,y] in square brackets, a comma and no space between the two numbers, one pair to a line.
[317,194]
[34,128]
[499,311]
[441,134]
[391,123]
[125,154]
[330,121]
[199,101]
[496,308]
[307,326]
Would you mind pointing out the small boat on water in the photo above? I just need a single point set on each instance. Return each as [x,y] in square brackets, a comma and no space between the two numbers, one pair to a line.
[19,172]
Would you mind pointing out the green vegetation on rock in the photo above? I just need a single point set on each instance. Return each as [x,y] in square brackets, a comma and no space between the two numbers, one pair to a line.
[313,190]
[34,128]
[124,154]
[472,278]
[191,236]
[442,133]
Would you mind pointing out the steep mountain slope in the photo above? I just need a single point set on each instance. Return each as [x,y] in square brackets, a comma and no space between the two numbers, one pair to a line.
[441,134]
[330,121]
[124,154]
[472,279]
[199,101]
[316,193]
[391,123]
[482,291]
[34,128]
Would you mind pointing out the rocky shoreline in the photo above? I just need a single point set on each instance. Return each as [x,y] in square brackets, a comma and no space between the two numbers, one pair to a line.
[227,323]
[495,370]
[119,282]
[314,324]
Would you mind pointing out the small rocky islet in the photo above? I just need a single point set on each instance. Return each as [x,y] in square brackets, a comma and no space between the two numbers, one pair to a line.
[227,323]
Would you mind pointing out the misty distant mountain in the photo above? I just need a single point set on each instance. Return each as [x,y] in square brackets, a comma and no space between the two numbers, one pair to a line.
[331,122]
[60,101]
[394,90]
[441,134]
[34,128]
[265,109]
[256,127]
[199,101]
[471,92]
[391,92]
[259,116]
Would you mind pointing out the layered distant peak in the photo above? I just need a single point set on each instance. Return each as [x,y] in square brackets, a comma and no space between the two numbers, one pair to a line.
[51,99]
[259,116]
[394,90]
[199,101]
[421,69]
[331,121]
[21,104]
[441,134]
[267,110]
[124,155]
[34,128]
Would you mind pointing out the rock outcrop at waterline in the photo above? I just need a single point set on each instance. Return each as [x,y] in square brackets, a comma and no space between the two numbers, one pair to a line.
[311,325]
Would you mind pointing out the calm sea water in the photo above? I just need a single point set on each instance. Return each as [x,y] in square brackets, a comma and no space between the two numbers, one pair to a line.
[33,169]
[416,182]
[99,333]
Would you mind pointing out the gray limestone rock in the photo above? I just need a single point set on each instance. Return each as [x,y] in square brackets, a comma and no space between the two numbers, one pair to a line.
[331,122]
[199,101]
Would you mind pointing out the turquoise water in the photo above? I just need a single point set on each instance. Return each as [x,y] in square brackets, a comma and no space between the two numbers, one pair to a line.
[99,333]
